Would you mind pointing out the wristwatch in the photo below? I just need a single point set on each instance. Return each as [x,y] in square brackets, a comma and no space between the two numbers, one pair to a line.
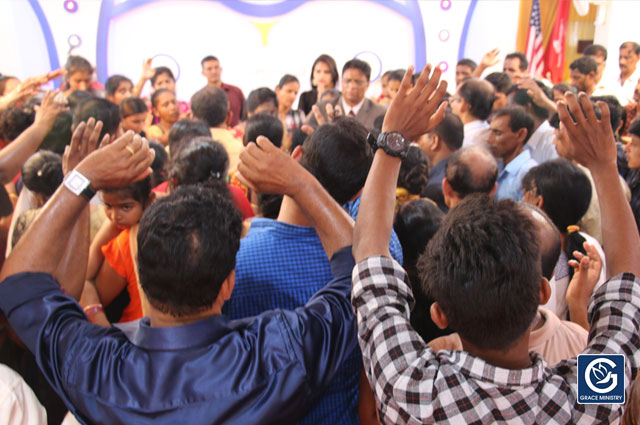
[79,185]
[392,143]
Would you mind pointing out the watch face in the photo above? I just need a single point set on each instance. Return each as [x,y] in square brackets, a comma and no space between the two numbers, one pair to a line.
[395,141]
[76,182]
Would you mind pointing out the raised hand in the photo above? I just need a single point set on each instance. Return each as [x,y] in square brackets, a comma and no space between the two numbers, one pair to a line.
[267,169]
[147,69]
[417,110]
[592,143]
[51,106]
[490,58]
[587,269]
[83,141]
[126,160]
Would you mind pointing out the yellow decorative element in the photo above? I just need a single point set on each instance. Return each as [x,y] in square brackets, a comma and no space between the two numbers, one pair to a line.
[264,28]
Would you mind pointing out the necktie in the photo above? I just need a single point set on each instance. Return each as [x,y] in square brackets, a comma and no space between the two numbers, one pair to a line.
[351,114]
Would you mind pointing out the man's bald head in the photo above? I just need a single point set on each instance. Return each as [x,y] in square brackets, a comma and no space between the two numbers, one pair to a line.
[549,242]
[470,170]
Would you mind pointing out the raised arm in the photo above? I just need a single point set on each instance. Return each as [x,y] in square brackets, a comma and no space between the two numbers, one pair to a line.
[42,247]
[592,144]
[268,169]
[147,73]
[17,152]
[411,113]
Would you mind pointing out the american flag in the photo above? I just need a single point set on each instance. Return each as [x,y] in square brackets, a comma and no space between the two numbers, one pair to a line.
[535,50]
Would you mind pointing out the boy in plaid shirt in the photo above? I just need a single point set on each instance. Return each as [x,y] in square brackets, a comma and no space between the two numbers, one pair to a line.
[483,270]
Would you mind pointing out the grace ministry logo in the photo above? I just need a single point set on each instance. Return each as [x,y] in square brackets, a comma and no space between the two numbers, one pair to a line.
[601,379]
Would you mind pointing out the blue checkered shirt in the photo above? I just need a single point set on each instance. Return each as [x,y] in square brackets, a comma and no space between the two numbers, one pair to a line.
[280,265]
[413,385]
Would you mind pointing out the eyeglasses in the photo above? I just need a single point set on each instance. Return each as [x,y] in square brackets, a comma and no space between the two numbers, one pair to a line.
[359,83]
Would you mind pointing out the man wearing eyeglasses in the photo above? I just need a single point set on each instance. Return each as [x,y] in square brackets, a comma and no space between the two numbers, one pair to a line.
[352,102]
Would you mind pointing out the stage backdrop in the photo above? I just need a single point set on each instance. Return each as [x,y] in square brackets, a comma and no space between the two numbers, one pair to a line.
[256,41]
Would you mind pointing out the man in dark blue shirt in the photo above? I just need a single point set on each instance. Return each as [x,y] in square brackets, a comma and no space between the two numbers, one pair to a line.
[185,363]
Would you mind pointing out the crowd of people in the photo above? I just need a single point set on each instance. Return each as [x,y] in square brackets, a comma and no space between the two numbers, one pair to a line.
[431,255]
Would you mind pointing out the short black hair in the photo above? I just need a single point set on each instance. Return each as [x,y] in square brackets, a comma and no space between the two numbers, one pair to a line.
[524,63]
[263,125]
[397,75]
[634,127]
[518,119]
[187,247]
[113,82]
[596,50]
[465,178]
[331,63]
[183,131]
[138,191]
[479,94]
[101,110]
[564,87]
[585,65]
[468,62]
[131,106]
[77,64]
[522,98]
[565,189]
[414,171]
[483,269]
[60,134]
[415,224]
[211,105]
[286,79]
[159,163]
[42,172]
[451,131]
[635,47]
[360,65]
[14,121]
[207,59]
[77,97]
[156,94]
[501,81]
[159,71]
[338,155]
[203,161]
[259,97]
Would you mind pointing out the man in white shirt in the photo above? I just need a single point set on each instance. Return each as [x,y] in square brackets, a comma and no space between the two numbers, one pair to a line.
[629,71]
[473,103]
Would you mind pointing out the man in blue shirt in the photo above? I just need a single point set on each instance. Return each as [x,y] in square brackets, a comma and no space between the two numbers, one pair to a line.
[510,129]
[185,363]
[281,263]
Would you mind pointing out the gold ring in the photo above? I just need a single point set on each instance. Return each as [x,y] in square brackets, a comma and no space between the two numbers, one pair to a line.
[130,149]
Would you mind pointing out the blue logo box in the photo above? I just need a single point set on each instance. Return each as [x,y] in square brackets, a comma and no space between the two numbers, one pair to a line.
[601,379]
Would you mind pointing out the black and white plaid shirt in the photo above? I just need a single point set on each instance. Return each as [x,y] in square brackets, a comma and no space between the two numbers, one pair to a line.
[414,385]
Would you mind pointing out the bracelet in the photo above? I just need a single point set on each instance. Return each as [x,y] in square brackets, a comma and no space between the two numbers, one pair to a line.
[92,309]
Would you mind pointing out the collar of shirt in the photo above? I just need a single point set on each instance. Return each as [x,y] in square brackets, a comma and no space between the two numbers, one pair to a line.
[539,135]
[202,332]
[346,108]
[517,162]
[478,369]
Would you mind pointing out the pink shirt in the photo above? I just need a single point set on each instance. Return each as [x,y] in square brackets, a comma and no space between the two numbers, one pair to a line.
[556,340]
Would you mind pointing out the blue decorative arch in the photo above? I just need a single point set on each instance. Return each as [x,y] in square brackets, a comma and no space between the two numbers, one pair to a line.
[410,10]
[465,29]
[54,63]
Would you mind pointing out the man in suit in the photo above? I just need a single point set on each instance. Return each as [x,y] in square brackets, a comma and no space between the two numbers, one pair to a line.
[352,102]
